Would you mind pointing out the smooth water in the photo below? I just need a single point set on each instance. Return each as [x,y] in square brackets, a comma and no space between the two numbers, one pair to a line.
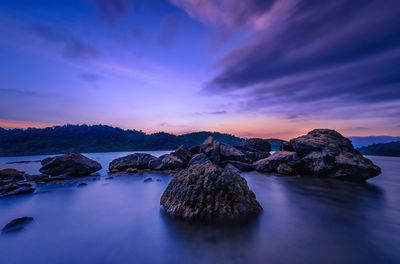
[120,220]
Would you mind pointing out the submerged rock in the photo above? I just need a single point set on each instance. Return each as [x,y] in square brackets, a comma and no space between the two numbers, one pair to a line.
[148,179]
[326,153]
[82,184]
[131,163]
[14,182]
[71,164]
[17,224]
[207,192]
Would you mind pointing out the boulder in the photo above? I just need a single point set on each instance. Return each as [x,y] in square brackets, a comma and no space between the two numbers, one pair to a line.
[131,163]
[200,158]
[271,163]
[326,153]
[258,144]
[14,182]
[17,224]
[194,150]
[217,151]
[167,162]
[71,164]
[206,192]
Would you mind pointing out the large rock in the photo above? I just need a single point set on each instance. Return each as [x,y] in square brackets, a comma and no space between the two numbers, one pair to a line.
[183,154]
[207,192]
[271,163]
[71,164]
[252,155]
[326,153]
[258,144]
[136,161]
[14,182]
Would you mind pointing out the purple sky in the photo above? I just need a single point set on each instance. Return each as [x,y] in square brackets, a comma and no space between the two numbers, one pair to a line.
[253,68]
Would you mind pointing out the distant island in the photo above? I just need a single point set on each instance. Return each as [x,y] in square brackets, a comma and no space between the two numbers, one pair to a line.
[101,138]
[382,149]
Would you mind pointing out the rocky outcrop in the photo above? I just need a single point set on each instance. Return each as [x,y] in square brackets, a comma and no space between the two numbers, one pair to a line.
[326,153]
[131,163]
[17,224]
[71,164]
[206,192]
[284,169]
[14,182]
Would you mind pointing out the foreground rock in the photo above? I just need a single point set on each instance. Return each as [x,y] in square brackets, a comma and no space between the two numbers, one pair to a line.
[132,162]
[17,224]
[325,153]
[71,164]
[14,182]
[206,192]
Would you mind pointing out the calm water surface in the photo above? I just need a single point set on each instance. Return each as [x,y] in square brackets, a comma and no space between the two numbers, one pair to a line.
[120,221]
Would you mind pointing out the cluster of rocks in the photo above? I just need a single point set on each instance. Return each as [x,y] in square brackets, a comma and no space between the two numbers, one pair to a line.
[322,153]
[210,152]
[13,182]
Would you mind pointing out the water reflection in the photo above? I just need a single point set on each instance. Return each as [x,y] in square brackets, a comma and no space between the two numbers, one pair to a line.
[119,221]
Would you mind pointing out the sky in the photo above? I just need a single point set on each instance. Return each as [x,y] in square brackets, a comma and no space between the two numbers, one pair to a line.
[255,68]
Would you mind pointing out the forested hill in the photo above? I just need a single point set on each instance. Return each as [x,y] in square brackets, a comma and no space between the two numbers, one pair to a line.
[97,138]
[383,149]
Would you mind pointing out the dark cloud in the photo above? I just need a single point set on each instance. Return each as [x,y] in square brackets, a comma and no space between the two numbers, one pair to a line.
[89,77]
[316,55]
[71,46]
[112,10]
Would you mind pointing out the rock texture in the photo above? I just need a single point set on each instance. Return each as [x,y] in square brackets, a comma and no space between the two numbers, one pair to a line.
[71,164]
[258,144]
[131,163]
[326,153]
[200,158]
[207,192]
[14,182]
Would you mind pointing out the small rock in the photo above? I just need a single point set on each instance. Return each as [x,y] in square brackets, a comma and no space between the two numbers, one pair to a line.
[148,179]
[17,224]
[109,178]
[82,184]
[71,164]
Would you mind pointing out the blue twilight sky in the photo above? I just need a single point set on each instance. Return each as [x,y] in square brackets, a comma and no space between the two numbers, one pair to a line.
[252,68]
